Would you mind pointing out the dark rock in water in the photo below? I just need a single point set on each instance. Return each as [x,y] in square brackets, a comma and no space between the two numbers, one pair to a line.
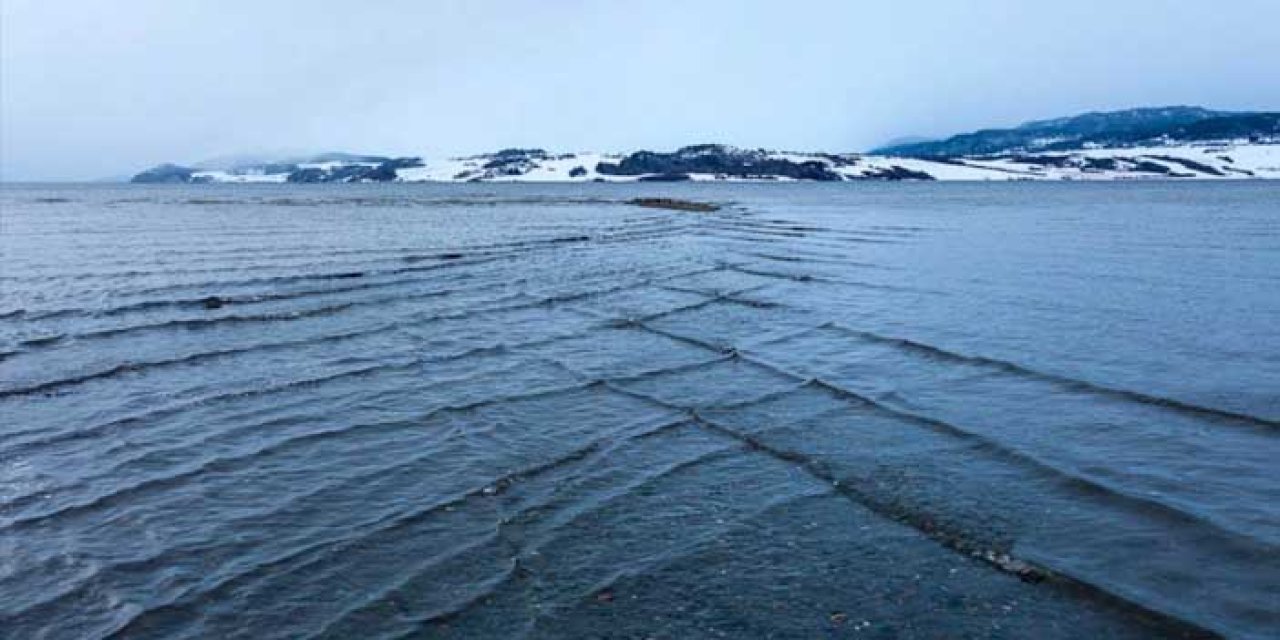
[577,172]
[666,177]
[451,256]
[164,174]
[718,160]
[674,204]
[213,302]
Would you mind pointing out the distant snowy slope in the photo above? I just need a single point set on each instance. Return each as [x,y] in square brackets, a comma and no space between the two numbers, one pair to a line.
[1131,127]
[1222,160]
[1147,143]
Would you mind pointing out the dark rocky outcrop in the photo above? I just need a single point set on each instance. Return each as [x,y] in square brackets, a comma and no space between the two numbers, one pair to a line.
[1147,166]
[577,172]
[718,160]
[1190,164]
[165,174]
[511,162]
[1101,164]
[381,173]
[516,155]
[385,171]
[896,173]
[309,175]
[1060,162]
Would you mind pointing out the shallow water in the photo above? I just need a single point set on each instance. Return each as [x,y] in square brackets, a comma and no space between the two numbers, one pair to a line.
[500,411]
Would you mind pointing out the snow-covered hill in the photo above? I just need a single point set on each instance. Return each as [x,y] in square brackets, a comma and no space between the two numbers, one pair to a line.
[1240,159]
[1218,160]
[1146,126]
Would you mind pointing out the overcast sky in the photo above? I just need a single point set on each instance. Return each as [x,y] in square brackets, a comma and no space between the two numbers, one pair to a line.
[91,89]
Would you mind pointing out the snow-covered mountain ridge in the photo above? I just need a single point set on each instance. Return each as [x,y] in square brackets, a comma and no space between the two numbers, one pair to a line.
[1143,127]
[1144,143]
[1226,159]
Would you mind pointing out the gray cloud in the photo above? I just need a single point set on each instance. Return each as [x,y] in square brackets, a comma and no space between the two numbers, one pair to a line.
[91,89]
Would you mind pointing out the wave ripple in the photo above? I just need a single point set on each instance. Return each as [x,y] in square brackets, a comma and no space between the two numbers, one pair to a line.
[444,410]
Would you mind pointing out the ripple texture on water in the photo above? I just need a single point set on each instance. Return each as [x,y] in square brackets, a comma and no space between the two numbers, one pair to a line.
[532,411]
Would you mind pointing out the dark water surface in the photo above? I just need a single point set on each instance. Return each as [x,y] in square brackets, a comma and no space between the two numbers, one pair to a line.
[479,411]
